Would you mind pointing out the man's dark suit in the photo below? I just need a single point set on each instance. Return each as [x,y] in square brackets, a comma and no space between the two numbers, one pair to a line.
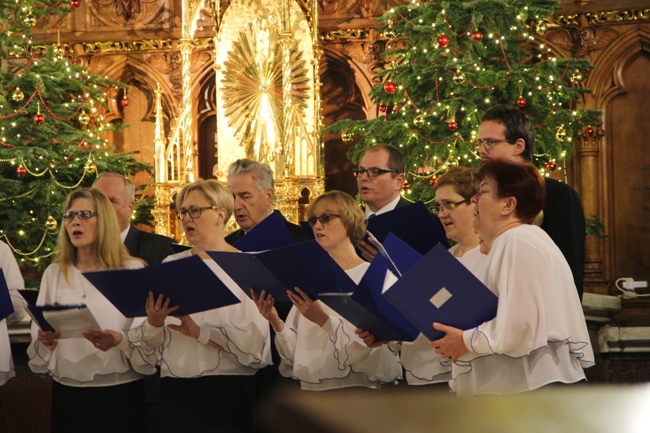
[296,231]
[150,247]
[564,221]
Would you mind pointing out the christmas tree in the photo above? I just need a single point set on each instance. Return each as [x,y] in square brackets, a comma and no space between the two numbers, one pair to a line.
[447,62]
[52,132]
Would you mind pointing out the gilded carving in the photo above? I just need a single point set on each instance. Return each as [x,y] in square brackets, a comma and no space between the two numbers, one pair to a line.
[618,16]
[335,35]
[98,64]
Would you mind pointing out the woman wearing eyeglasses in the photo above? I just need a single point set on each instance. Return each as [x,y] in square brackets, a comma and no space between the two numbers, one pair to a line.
[207,359]
[539,335]
[95,385]
[318,347]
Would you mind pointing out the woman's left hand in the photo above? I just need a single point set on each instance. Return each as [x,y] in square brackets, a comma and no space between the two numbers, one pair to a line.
[308,307]
[451,346]
[103,340]
[187,327]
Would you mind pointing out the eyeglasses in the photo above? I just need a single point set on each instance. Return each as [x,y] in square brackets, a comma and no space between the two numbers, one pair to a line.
[195,212]
[371,172]
[82,214]
[448,206]
[489,143]
[324,219]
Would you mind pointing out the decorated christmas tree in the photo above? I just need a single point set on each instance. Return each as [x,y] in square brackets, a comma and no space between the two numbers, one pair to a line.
[447,62]
[53,132]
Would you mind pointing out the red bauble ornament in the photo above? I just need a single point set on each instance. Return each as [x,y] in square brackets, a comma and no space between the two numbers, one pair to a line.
[589,131]
[383,108]
[550,166]
[443,41]
[433,181]
[390,87]
[74,4]
[521,102]
[125,102]
[20,171]
[452,126]
[476,36]
[39,119]
[406,186]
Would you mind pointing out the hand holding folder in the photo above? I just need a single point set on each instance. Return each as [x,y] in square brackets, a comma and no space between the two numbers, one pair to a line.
[6,306]
[188,282]
[70,321]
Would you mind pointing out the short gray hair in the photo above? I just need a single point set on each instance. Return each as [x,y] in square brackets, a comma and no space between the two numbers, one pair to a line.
[262,173]
[129,187]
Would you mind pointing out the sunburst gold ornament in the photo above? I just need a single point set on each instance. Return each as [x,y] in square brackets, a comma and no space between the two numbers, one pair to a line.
[51,223]
[459,77]
[389,34]
[560,133]
[540,28]
[419,120]
[17,95]
[347,136]
[84,118]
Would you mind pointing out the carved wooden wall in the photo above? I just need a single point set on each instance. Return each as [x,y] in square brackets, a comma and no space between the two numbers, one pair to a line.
[137,42]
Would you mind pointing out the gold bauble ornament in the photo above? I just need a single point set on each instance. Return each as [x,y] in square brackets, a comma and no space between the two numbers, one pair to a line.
[347,136]
[576,77]
[84,118]
[560,134]
[459,78]
[90,167]
[51,223]
[18,95]
[419,120]
[30,20]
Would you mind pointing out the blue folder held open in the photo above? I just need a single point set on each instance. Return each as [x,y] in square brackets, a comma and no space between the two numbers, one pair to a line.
[269,233]
[305,265]
[188,282]
[6,306]
[438,288]
[413,224]
[365,308]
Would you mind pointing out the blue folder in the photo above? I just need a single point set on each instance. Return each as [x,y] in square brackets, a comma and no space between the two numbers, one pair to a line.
[188,282]
[414,224]
[6,306]
[439,288]
[179,248]
[30,296]
[365,308]
[269,233]
[399,255]
[305,265]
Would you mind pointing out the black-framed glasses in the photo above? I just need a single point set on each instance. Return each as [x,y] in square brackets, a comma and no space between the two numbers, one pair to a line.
[324,219]
[371,171]
[82,214]
[195,212]
[489,143]
[448,206]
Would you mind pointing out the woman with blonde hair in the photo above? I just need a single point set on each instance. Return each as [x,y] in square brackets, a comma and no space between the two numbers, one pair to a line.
[207,359]
[95,387]
[319,347]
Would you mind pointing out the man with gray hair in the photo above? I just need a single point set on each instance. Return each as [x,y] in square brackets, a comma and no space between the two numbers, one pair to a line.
[150,247]
[251,184]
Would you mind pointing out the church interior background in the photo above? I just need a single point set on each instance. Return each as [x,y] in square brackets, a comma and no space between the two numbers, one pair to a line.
[206,88]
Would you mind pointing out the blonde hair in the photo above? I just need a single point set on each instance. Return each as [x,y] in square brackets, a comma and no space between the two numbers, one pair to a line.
[353,218]
[109,249]
[217,194]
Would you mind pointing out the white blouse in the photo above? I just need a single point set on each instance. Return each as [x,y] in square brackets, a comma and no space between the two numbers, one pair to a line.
[238,329]
[539,335]
[75,361]
[422,365]
[333,356]
[15,282]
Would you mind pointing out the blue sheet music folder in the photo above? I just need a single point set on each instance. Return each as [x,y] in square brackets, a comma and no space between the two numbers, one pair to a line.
[269,233]
[438,288]
[189,282]
[305,265]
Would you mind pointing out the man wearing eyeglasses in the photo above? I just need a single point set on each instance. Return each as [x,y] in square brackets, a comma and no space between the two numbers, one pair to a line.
[150,247]
[505,132]
[380,178]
